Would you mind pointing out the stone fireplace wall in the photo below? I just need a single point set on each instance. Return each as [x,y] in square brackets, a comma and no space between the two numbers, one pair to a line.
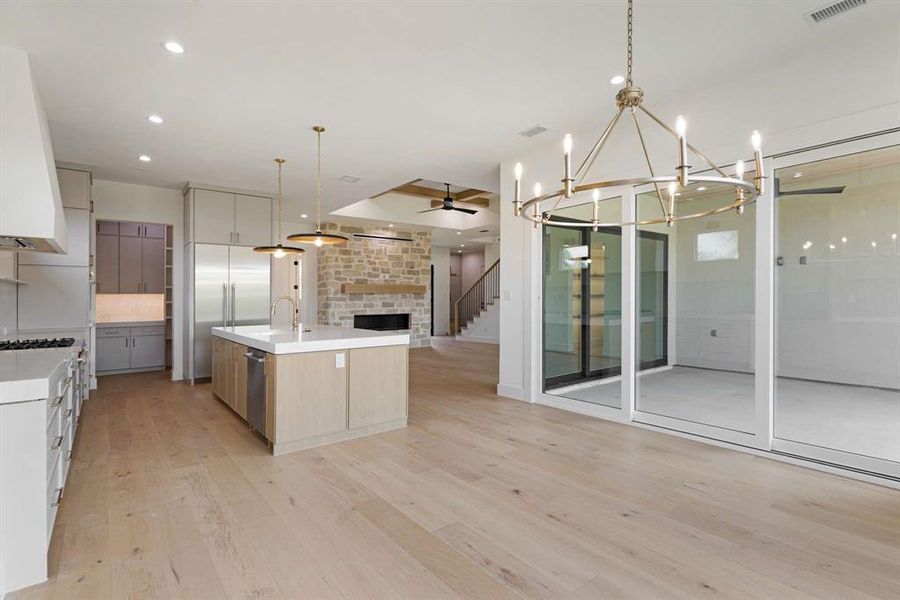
[375,261]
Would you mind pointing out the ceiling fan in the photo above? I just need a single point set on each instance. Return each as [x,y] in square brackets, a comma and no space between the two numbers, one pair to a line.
[448,205]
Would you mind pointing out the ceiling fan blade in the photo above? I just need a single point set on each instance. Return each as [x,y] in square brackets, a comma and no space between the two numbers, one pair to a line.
[825,190]
[465,210]
[430,210]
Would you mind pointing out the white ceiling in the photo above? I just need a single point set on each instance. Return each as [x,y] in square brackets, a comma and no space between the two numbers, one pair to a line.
[434,90]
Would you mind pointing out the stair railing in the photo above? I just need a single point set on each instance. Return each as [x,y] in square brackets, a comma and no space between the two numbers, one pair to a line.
[483,292]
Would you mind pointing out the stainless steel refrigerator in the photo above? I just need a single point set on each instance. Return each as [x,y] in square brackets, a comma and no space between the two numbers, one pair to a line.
[231,287]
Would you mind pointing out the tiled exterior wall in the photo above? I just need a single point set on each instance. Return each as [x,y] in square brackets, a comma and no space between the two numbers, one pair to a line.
[375,261]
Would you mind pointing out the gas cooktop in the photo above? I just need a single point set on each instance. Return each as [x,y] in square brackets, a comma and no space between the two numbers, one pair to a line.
[36,344]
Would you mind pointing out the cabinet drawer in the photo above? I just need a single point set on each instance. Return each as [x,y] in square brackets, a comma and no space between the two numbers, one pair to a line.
[55,442]
[108,227]
[54,497]
[149,330]
[130,229]
[113,331]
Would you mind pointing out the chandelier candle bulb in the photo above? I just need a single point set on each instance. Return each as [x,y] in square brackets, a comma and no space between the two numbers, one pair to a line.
[517,202]
[671,212]
[536,211]
[681,129]
[595,215]
[756,141]
[567,158]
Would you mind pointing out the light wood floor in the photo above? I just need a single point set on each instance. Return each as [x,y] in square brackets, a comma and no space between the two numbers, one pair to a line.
[172,497]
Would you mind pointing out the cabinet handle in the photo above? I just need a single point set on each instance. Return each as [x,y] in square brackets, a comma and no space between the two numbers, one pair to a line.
[238,235]
[69,455]
[56,443]
[224,305]
[126,342]
[68,414]
[59,493]
[134,342]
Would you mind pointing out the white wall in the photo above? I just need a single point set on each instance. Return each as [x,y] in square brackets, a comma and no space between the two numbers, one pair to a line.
[800,102]
[491,254]
[131,202]
[7,293]
[440,260]
[472,268]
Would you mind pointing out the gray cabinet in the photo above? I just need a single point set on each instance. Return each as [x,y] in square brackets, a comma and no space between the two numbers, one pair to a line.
[130,348]
[130,268]
[107,261]
[113,353]
[131,258]
[147,351]
[232,219]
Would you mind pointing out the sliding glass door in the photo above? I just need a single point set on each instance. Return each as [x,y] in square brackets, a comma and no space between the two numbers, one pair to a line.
[837,389]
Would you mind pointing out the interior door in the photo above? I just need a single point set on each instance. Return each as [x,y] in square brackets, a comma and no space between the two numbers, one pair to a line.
[210,302]
[249,286]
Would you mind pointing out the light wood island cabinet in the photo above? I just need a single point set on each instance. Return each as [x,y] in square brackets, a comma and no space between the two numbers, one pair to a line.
[314,398]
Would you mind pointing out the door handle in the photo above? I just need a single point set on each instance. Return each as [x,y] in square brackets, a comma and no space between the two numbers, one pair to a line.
[224,305]
[232,303]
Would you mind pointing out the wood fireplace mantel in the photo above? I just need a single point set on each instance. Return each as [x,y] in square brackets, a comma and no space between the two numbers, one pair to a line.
[383,288]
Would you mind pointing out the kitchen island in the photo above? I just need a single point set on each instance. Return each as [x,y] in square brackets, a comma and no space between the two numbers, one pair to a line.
[313,386]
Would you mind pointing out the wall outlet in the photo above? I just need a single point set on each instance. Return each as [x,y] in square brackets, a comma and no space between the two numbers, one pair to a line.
[339,360]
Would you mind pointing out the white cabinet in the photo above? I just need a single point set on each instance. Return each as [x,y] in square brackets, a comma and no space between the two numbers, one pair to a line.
[226,218]
[252,220]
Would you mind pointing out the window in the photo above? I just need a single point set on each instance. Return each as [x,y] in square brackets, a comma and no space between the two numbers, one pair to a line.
[717,245]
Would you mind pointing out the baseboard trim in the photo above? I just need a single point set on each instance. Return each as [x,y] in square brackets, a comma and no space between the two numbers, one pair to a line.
[477,338]
[510,391]
[340,436]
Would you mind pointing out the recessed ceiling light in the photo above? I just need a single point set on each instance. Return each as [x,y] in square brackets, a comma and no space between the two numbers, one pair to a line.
[893,236]
[144,158]
[155,119]
[460,251]
[874,244]
[701,188]
[677,193]
[303,216]
[174,47]
[391,225]
[459,233]
[462,245]
[798,174]
[617,79]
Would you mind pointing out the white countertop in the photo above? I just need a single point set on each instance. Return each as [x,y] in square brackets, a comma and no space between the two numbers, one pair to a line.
[319,338]
[26,374]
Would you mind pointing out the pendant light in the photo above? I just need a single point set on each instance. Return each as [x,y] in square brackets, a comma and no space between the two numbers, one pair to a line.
[278,250]
[318,238]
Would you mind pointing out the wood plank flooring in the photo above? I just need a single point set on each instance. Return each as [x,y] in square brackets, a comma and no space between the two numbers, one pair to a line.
[481,497]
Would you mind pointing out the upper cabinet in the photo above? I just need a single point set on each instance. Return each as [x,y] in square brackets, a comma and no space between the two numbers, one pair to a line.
[131,257]
[75,188]
[216,217]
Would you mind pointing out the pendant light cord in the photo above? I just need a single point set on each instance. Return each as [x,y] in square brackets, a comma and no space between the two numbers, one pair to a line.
[629,54]
[280,161]
[319,131]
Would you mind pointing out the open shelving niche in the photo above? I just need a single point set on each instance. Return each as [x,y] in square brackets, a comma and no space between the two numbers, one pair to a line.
[170,244]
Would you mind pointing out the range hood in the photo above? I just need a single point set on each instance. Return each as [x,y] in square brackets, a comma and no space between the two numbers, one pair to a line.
[31,212]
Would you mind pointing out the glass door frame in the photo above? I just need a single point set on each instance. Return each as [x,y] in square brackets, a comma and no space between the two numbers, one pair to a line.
[762,439]
[858,462]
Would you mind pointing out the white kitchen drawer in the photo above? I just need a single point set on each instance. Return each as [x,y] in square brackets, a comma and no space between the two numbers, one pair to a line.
[55,490]
[54,451]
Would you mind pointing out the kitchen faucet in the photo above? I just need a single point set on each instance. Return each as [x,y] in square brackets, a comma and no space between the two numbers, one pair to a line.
[295,316]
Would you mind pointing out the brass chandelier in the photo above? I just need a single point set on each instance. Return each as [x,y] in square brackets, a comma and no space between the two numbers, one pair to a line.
[279,250]
[318,237]
[631,98]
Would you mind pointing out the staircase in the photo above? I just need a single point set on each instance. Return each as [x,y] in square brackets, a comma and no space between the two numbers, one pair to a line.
[476,315]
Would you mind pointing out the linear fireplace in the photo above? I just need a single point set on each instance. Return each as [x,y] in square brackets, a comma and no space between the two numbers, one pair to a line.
[381,322]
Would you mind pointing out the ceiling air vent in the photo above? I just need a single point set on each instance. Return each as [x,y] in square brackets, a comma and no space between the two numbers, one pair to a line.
[832,10]
[348,179]
[533,131]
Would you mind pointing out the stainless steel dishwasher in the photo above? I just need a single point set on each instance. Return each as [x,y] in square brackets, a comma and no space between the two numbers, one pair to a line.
[256,390]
